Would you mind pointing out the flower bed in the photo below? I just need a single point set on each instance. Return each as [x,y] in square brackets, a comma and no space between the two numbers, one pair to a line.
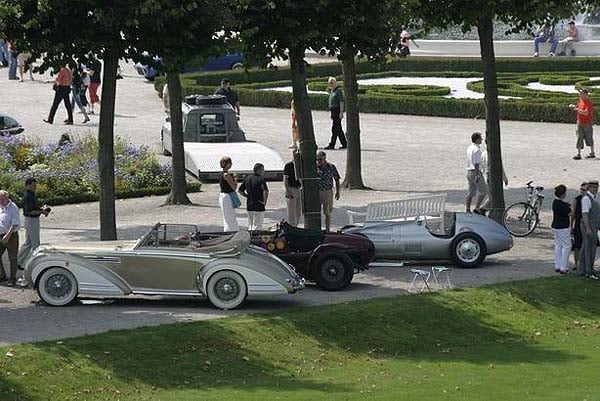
[68,172]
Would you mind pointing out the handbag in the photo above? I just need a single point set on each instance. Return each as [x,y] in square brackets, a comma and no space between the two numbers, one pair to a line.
[235,200]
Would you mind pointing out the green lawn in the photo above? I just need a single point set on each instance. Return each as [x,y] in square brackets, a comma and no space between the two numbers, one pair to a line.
[531,340]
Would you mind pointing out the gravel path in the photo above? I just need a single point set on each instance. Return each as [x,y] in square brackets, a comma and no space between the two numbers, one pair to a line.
[402,156]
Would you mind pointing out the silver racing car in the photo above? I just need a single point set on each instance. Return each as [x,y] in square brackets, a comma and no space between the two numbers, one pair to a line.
[464,238]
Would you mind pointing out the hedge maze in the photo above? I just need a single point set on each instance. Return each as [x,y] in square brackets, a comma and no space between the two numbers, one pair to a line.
[514,75]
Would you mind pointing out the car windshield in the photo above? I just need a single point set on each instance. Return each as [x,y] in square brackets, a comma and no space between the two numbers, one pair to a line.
[442,225]
[212,124]
[168,236]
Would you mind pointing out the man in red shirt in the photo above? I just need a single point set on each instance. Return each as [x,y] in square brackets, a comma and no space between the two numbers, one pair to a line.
[62,88]
[585,119]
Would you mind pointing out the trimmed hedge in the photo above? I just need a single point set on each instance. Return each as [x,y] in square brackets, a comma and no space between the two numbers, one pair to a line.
[91,197]
[513,76]
[413,64]
[389,90]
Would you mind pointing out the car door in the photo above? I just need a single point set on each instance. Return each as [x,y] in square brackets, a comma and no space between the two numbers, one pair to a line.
[159,270]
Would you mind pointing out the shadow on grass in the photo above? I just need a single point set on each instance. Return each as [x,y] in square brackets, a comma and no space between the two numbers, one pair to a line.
[270,352]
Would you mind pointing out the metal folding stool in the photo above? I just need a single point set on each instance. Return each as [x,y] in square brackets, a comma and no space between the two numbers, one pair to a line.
[436,271]
[424,276]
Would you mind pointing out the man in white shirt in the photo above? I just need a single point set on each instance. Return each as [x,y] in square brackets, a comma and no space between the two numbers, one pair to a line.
[590,219]
[9,235]
[475,180]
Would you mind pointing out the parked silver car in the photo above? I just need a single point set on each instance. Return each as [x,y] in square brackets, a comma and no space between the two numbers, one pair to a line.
[164,262]
[464,238]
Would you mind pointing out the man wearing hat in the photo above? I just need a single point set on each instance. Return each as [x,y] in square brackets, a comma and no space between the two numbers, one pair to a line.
[585,119]
[31,221]
[231,95]
[590,219]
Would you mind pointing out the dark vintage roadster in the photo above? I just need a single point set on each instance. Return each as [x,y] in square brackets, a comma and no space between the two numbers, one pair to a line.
[328,258]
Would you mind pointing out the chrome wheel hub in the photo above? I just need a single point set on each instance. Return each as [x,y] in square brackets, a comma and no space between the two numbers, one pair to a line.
[58,286]
[227,289]
[468,250]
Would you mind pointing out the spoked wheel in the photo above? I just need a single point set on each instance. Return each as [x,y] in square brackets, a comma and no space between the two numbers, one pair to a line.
[333,271]
[468,250]
[226,290]
[520,219]
[57,286]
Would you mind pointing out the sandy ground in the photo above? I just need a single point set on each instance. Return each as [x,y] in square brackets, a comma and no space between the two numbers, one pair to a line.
[403,156]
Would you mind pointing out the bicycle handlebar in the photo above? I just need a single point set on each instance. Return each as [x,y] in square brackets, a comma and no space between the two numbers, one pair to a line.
[529,183]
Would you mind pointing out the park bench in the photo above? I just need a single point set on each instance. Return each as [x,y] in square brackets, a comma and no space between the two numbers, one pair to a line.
[402,209]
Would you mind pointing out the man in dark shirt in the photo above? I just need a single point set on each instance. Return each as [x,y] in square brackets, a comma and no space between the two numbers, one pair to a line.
[255,190]
[292,194]
[31,221]
[231,95]
[327,174]
[336,108]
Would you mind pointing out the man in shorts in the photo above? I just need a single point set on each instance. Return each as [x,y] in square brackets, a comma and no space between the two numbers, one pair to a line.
[328,175]
[477,188]
[585,119]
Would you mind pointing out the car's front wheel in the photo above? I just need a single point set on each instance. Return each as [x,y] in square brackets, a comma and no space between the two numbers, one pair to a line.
[226,289]
[333,271]
[57,286]
[468,250]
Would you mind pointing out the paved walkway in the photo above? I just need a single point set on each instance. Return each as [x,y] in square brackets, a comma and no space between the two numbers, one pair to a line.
[402,156]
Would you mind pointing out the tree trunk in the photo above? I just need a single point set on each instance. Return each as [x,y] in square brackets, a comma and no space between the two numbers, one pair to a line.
[485,29]
[311,205]
[353,177]
[106,148]
[178,195]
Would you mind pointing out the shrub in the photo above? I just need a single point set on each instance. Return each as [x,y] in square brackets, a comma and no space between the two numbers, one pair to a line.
[69,173]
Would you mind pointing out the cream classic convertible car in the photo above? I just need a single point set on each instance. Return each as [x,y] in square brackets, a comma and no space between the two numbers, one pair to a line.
[163,262]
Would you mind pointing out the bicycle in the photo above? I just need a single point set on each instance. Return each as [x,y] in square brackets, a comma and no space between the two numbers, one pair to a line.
[521,218]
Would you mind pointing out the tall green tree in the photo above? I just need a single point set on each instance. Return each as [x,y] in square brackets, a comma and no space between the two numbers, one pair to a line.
[62,30]
[181,31]
[481,14]
[360,29]
[278,28]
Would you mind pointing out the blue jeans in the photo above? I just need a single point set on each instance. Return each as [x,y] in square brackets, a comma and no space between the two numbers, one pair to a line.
[12,65]
[541,39]
[3,52]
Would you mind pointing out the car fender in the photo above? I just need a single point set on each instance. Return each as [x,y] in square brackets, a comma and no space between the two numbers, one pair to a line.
[256,282]
[92,278]
[324,248]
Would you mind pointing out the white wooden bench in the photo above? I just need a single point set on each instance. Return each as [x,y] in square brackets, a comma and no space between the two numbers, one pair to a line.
[430,205]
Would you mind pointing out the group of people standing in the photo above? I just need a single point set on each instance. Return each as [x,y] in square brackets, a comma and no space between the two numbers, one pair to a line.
[10,224]
[575,227]
[254,188]
[72,84]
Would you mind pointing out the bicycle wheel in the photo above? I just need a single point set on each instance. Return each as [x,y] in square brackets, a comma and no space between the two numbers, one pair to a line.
[520,219]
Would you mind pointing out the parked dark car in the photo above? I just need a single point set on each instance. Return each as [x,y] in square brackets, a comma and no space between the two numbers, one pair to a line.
[328,258]
[233,61]
[9,126]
